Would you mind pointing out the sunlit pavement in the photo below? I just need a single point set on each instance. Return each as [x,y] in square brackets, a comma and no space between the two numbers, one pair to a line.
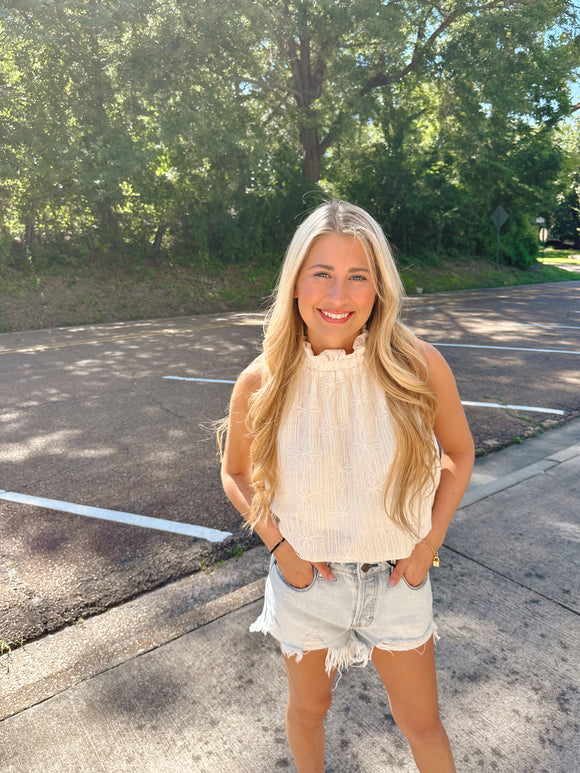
[174,680]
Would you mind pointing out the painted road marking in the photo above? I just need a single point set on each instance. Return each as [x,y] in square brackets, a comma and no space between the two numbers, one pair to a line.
[514,407]
[463,402]
[540,324]
[145,521]
[508,348]
[204,380]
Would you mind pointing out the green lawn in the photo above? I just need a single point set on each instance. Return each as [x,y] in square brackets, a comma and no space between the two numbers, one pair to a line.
[563,257]
[84,295]
[468,274]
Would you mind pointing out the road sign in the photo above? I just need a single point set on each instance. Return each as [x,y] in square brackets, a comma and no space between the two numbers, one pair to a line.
[499,216]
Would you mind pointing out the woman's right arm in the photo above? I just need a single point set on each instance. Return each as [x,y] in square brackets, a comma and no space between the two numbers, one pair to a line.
[236,476]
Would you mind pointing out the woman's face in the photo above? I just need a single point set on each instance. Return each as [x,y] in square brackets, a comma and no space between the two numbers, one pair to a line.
[335,292]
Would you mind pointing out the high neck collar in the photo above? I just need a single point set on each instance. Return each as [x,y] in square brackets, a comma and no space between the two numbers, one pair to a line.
[337,356]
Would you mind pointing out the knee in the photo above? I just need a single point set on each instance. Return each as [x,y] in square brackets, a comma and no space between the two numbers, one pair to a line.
[424,729]
[310,710]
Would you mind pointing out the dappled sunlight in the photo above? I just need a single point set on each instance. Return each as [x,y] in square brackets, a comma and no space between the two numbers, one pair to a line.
[94,422]
[494,329]
[52,444]
[573,377]
[567,529]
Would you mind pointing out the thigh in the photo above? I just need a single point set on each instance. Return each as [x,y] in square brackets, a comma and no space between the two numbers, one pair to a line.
[411,683]
[309,684]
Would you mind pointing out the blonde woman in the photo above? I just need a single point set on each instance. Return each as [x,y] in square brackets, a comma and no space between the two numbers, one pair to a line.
[348,452]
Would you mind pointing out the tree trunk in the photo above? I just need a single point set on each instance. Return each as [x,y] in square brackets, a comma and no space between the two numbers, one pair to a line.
[29,232]
[312,152]
[159,234]
[108,222]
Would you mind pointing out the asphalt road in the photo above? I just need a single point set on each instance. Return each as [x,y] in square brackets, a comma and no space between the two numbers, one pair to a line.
[89,417]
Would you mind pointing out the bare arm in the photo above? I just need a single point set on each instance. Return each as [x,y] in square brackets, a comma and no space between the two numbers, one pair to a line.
[236,476]
[456,443]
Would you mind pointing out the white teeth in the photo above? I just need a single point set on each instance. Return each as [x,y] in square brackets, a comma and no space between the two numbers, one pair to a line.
[336,316]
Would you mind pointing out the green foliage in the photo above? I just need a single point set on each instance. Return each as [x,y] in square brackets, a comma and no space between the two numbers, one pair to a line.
[519,244]
[6,252]
[563,217]
[200,132]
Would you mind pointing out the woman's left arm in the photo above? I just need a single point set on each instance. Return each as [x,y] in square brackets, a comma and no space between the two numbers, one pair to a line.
[456,443]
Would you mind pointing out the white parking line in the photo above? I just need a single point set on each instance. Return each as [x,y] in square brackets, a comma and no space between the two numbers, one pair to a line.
[145,521]
[540,324]
[507,348]
[463,402]
[204,380]
[514,407]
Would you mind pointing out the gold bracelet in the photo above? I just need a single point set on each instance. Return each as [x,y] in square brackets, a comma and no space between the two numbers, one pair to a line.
[435,552]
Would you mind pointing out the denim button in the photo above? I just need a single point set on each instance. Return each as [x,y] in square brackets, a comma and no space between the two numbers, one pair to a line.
[366,567]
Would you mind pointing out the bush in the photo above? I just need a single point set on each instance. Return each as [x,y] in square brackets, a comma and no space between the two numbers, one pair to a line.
[519,245]
[6,251]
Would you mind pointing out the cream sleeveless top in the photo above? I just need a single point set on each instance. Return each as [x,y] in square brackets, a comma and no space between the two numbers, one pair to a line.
[335,445]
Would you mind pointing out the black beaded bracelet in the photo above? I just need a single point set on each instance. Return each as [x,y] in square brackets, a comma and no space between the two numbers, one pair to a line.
[277,545]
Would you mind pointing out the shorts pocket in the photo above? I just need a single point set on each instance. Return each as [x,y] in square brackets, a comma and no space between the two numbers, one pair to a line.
[292,587]
[416,587]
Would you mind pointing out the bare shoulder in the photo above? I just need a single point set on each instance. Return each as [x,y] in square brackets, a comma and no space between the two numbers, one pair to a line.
[250,379]
[438,371]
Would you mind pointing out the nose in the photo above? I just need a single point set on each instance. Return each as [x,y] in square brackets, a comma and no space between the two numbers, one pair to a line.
[337,290]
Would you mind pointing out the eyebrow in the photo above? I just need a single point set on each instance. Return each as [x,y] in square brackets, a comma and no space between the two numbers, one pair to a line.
[331,268]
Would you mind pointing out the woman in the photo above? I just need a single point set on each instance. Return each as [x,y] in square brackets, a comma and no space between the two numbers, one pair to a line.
[348,452]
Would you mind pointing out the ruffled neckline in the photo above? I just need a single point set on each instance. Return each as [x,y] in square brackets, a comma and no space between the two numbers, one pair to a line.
[336,356]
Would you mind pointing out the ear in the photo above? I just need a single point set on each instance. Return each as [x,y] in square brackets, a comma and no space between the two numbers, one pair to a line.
[295,294]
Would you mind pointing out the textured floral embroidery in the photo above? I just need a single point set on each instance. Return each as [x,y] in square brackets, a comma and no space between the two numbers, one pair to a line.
[335,446]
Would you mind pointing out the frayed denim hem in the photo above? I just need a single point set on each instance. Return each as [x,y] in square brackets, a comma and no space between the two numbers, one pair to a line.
[356,654]
[416,645]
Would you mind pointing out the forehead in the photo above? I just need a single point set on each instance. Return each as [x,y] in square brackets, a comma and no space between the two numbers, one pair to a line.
[337,248]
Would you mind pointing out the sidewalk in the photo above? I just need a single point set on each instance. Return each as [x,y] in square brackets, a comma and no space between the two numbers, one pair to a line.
[173,681]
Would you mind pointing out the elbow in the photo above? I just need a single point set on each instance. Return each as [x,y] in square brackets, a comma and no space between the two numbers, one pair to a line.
[460,460]
[226,478]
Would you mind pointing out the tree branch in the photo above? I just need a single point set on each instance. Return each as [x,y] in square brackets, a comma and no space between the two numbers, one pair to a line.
[385,79]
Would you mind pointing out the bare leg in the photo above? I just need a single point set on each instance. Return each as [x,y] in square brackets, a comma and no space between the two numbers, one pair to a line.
[309,698]
[411,684]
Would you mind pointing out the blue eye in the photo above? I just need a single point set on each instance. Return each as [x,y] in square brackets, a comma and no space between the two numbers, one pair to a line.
[322,274]
[359,277]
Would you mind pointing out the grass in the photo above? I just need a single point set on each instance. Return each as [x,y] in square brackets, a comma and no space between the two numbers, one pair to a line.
[466,274]
[562,257]
[91,294]
[6,648]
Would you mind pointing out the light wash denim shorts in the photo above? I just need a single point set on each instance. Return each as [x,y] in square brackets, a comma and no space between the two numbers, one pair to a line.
[348,617]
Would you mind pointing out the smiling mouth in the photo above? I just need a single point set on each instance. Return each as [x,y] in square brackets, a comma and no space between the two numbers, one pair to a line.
[335,316]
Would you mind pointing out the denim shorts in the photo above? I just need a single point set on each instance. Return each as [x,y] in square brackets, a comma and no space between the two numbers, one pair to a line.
[349,617]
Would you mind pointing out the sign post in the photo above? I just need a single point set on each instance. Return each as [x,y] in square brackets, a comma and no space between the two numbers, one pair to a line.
[498,217]
[543,236]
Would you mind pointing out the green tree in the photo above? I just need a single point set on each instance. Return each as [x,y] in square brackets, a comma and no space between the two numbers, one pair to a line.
[329,62]
[120,115]
[563,214]
[192,123]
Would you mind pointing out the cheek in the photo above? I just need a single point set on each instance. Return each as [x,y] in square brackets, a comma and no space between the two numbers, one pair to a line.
[304,291]
[368,297]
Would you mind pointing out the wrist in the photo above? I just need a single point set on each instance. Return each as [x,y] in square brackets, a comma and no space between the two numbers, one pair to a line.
[276,545]
[434,550]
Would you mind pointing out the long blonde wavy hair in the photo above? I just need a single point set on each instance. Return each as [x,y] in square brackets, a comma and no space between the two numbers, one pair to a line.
[392,356]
